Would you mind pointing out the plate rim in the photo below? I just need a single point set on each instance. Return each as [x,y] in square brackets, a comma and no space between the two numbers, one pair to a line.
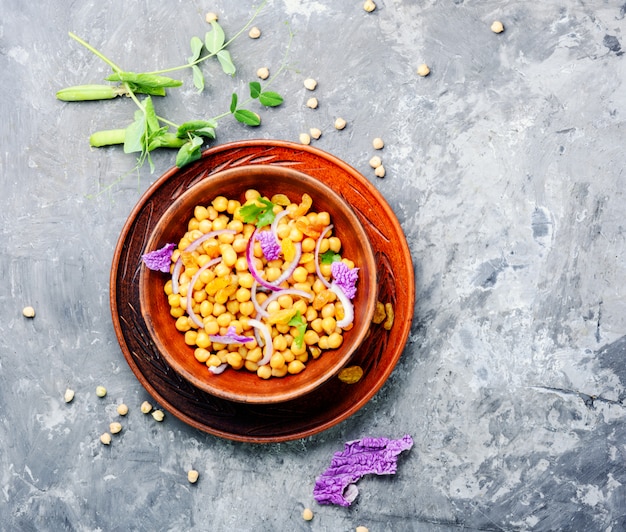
[259,148]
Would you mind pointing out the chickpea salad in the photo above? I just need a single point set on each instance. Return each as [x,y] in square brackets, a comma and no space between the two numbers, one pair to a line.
[260,286]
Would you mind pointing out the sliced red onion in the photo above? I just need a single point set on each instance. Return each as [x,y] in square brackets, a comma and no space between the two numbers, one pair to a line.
[259,310]
[317,253]
[292,266]
[274,226]
[179,262]
[195,277]
[216,370]
[348,308]
[253,271]
[285,292]
[268,348]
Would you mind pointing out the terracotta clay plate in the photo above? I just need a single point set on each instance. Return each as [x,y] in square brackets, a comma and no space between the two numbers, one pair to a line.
[334,401]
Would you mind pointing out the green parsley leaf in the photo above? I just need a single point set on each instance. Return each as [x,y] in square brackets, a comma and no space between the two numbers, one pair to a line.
[300,324]
[329,257]
[261,215]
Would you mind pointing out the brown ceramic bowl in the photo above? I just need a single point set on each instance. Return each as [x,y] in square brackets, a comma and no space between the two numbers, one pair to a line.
[244,386]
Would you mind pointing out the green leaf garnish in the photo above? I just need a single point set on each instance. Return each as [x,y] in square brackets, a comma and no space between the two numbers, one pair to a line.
[260,215]
[328,257]
[300,324]
[247,117]
[270,99]
[196,48]
[214,39]
[255,89]
[198,78]
[189,152]
[223,56]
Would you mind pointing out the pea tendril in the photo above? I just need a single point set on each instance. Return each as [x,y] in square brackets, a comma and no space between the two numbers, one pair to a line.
[150,131]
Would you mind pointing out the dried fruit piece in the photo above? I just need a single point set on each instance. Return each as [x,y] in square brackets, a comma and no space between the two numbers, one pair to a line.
[390,316]
[351,374]
[379,313]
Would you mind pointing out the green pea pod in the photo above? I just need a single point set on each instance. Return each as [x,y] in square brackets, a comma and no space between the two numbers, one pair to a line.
[145,80]
[81,93]
[166,140]
[107,138]
[205,128]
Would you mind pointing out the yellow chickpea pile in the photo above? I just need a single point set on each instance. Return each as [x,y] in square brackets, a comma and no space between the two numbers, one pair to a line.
[222,295]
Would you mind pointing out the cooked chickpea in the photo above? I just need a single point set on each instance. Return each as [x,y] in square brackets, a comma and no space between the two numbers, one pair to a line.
[497,27]
[28,312]
[380,171]
[211,17]
[68,397]
[115,427]
[101,391]
[340,123]
[304,138]
[263,73]
[369,6]
[106,438]
[254,32]
[307,514]
[312,103]
[265,372]
[122,409]
[158,415]
[375,161]
[310,84]
[315,133]
[145,407]
[423,70]
[378,143]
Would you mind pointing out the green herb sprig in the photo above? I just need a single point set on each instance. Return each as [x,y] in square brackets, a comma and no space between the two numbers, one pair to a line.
[149,131]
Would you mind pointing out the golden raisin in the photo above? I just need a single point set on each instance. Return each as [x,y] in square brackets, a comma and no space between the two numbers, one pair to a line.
[379,313]
[390,316]
[351,374]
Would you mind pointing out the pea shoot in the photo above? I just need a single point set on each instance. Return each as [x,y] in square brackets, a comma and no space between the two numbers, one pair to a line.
[148,131]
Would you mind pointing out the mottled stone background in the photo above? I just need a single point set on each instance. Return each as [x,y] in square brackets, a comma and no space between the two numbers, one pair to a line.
[505,169]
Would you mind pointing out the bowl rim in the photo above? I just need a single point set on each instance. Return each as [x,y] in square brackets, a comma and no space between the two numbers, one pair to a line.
[212,383]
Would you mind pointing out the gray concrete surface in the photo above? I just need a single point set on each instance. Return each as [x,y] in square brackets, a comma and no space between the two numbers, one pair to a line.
[505,169]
